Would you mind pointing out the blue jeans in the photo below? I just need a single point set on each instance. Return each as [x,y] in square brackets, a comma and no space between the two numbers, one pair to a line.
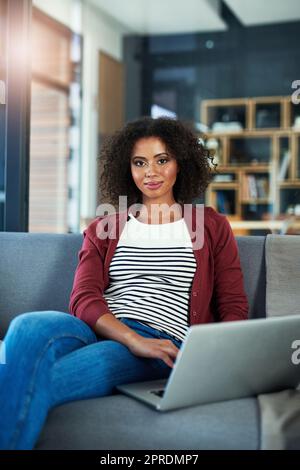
[53,358]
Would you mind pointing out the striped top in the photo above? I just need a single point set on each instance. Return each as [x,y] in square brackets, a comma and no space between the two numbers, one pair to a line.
[151,275]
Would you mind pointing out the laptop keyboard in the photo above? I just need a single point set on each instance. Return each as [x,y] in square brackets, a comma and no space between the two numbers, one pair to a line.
[160,392]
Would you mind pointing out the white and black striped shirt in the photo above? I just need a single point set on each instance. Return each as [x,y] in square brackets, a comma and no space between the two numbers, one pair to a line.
[151,275]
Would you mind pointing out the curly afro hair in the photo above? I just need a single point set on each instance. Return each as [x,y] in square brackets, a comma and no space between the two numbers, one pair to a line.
[194,160]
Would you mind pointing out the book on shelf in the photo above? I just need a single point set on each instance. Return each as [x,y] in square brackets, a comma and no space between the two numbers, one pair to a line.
[222,178]
[262,187]
[223,203]
[284,165]
[244,192]
[254,187]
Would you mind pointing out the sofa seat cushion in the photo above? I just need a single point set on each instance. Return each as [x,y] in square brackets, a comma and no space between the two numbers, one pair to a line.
[118,422]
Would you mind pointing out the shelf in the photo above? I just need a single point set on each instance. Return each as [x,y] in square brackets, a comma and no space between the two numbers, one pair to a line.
[226,184]
[257,167]
[295,116]
[289,184]
[268,115]
[249,150]
[257,132]
[218,112]
[256,201]
[261,159]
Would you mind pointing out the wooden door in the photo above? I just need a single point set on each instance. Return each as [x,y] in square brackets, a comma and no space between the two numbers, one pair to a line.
[110,102]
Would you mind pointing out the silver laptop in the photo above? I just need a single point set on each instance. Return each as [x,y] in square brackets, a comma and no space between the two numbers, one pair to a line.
[225,361]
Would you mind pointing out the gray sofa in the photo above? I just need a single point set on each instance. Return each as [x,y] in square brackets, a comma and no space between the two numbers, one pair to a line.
[36,273]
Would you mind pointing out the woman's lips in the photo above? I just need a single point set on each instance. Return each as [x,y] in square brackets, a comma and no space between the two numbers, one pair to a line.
[153,185]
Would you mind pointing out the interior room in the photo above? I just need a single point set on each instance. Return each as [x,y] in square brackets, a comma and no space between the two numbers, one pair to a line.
[112,108]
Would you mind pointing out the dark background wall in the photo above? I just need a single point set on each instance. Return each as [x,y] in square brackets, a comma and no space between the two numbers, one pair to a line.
[177,72]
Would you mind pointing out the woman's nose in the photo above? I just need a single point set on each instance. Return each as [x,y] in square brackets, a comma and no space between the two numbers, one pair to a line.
[150,170]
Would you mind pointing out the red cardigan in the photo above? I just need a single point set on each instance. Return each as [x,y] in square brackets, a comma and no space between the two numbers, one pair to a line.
[217,292]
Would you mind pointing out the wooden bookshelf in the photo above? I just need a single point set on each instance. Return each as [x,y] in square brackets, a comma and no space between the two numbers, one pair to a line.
[257,147]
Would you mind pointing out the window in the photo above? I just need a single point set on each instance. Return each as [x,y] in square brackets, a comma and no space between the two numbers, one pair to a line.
[55,117]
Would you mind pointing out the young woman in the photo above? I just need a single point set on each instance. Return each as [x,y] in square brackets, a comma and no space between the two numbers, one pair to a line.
[137,288]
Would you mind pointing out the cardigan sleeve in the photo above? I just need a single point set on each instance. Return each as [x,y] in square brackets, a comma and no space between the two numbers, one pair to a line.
[86,300]
[229,293]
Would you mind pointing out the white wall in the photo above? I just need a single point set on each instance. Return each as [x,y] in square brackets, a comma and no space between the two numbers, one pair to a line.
[100,32]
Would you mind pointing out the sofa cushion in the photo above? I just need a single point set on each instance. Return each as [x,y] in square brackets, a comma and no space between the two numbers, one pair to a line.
[120,422]
[283,275]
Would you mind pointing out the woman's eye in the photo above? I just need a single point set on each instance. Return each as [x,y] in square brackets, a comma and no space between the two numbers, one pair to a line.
[140,162]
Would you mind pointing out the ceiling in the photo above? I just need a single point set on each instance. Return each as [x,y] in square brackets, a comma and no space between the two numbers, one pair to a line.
[186,16]
[164,16]
[255,12]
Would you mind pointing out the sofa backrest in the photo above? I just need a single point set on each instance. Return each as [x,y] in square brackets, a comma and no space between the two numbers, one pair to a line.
[37,271]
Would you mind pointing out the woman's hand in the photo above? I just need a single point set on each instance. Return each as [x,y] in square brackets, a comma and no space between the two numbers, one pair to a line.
[155,348]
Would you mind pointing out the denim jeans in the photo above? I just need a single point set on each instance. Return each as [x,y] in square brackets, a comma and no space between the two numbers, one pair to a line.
[53,358]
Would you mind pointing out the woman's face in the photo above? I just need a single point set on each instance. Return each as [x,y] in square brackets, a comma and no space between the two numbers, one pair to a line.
[152,163]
